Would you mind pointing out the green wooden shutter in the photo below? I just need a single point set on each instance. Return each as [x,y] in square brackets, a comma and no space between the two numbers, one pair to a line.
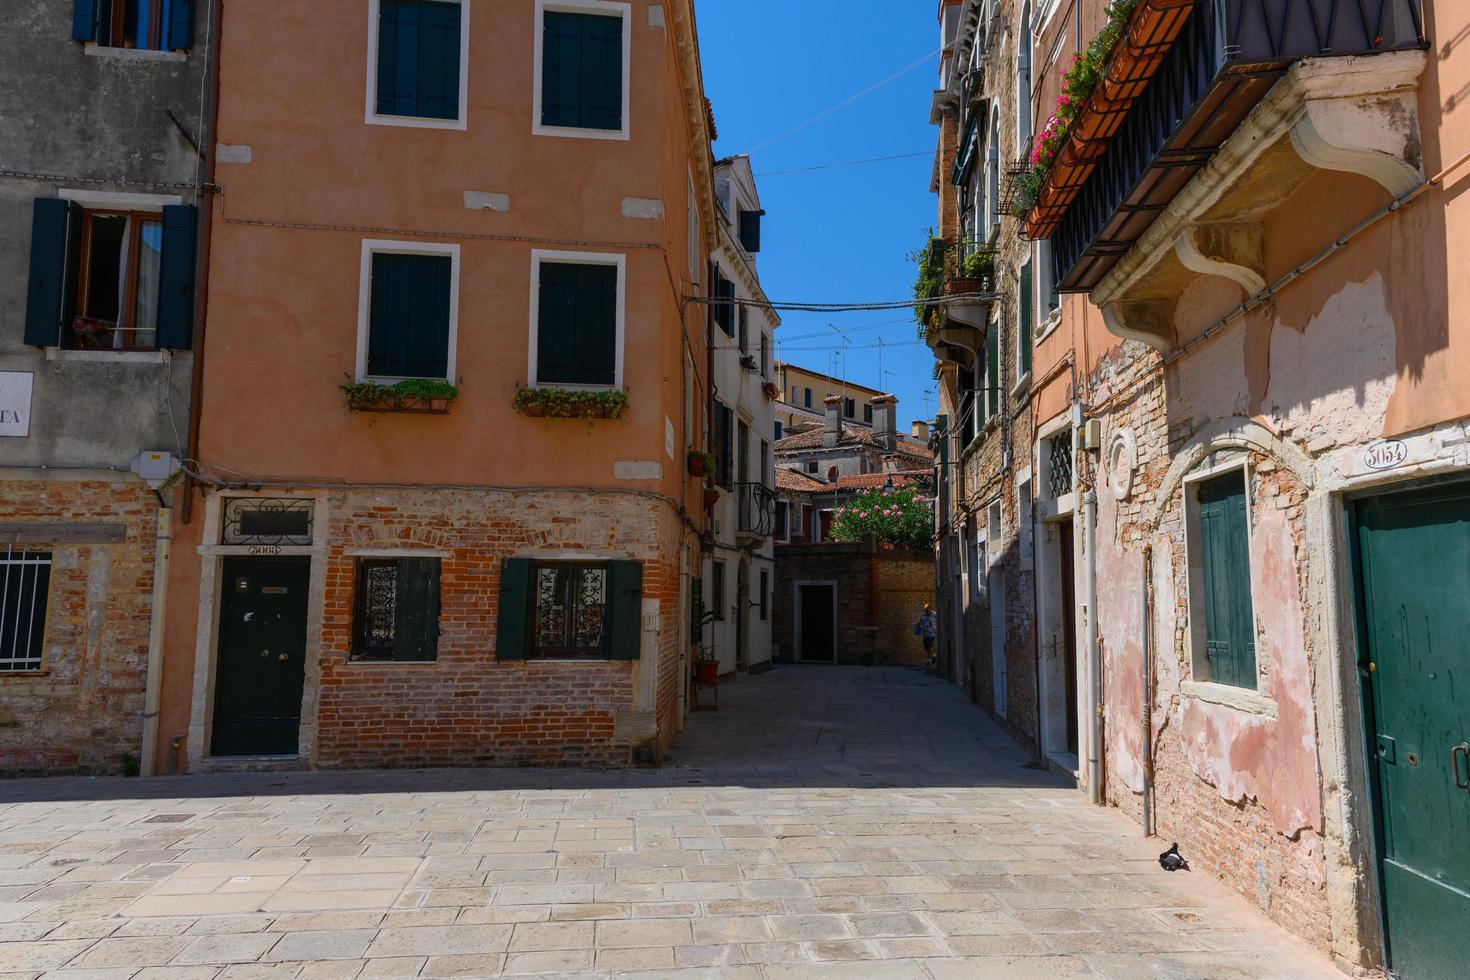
[1225,557]
[398,54]
[408,316]
[602,72]
[750,230]
[624,610]
[561,57]
[437,83]
[416,610]
[84,20]
[176,291]
[181,25]
[1027,312]
[49,299]
[992,370]
[596,332]
[512,613]
[556,355]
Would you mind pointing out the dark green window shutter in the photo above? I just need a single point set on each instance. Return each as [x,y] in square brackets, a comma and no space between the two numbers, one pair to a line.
[1027,313]
[408,333]
[50,290]
[992,370]
[513,611]
[84,20]
[416,610]
[582,71]
[577,329]
[438,60]
[624,609]
[1230,631]
[181,25]
[696,610]
[750,230]
[397,57]
[176,291]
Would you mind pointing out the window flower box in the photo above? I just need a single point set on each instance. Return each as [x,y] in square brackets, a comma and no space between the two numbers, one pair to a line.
[414,396]
[565,403]
[700,463]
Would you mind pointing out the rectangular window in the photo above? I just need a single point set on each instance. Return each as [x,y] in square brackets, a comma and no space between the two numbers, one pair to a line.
[154,25]
[765,591]
[811,466]
[582,54]
[868,414]
[717,590]
[1223,581]
[765,463]
[724,445]
[120,278]
[807,398]
[992,371]
[849,407]
[569,610]
[1025,328]
[1023,517]
[724,306]
[780,432]
[395,612]
[783,521]
[410,312]
[575,610]
[577,319]
[417,75]
[742,452]
[25,585]
[765,355]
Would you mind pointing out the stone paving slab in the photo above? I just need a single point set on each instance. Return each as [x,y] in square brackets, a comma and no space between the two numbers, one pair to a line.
[826,822]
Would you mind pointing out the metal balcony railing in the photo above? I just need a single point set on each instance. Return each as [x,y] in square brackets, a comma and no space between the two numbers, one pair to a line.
[1227,56]
[755,509]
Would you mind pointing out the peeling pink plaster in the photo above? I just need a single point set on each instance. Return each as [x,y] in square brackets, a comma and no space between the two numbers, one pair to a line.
[1120,625]
[1248,756]
[1168,662]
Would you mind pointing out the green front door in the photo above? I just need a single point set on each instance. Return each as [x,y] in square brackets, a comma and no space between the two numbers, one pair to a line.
[1414,603]
[261,667]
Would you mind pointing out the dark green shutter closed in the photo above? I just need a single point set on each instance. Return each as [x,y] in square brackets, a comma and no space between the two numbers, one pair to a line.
[1027,313]
[418,59]
[1230,632]
[50,296]
[181,25]
[408,335]
[416,610]
[176,291]
[624,609]
[582,71]
[750,230]
[84,20]
[576,334]
[513,609]
[992,370]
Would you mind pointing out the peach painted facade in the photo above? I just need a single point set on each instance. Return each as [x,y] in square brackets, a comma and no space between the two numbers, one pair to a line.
[1334,215]
[311,182]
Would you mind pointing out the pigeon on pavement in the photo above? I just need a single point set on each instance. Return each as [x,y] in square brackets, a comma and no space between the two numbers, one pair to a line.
[1171,861]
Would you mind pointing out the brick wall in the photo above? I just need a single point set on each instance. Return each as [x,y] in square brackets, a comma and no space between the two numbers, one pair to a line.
[880,593]
[467,707]
[82,711]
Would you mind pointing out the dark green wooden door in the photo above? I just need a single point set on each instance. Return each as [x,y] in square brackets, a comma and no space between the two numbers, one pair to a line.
[261,665]
[1414,551]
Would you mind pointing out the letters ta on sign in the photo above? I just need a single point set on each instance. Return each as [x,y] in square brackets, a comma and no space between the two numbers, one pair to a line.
[15,403]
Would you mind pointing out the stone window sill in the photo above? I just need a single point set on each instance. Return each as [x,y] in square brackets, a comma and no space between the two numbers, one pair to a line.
[134,54]
[110,356]
[1239,698]
[1022,385]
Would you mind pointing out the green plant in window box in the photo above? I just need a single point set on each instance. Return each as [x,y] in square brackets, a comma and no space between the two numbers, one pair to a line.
[930,282]
[701,463]
[567,403]
[418,395]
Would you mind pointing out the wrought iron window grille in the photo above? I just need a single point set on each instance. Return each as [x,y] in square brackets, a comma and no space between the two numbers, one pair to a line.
[268,521]
[1059,464]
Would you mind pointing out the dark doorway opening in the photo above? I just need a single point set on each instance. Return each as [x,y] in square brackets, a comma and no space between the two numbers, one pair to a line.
[260,669]
[816,621]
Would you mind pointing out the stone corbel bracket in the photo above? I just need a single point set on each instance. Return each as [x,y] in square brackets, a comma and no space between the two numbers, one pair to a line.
[1353,114]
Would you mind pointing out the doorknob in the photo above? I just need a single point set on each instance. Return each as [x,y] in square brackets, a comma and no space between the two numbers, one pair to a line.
[1462,749]
[284,657]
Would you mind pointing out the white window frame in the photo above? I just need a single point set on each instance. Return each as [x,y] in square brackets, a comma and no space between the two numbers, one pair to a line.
[372,117]
[1027,266]
[1026,112]
[994,533]
[616,259]
[375,246]
[1025,511]
[1044,321]
[604,8]
[1197,685]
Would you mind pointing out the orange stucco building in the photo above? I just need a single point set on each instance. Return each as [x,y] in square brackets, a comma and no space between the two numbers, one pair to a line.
[449,378]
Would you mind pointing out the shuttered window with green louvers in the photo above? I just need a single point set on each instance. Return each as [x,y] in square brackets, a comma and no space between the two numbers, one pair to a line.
[1230,629]
[582,71]
[408,328]
[569,610]
[577,324]
[395,613]
[418,58]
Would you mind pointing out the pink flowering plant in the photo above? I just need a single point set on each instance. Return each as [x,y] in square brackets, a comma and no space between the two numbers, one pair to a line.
[898,516]
[1078,83]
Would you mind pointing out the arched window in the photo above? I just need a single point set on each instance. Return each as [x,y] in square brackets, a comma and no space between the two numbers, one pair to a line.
[1023,83]
[831,474]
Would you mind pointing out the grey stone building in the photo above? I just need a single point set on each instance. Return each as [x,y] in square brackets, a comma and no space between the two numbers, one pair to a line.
[103,117]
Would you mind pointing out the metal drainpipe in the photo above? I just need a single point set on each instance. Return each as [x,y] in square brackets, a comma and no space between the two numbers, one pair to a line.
[1094,658]
[154,682]
[1148,693]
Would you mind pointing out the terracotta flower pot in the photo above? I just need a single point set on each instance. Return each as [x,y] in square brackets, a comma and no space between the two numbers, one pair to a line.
[707,671]
[711,497]
[696,465]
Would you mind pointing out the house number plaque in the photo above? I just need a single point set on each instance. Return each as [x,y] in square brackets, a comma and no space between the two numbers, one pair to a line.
[1386,455]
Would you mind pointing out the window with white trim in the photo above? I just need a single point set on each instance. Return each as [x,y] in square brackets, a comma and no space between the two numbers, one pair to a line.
[408,311]
[25,585]
[582,51]
[577,303]
[418,63]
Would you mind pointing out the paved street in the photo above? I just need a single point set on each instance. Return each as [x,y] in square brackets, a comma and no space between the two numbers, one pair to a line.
[825,822]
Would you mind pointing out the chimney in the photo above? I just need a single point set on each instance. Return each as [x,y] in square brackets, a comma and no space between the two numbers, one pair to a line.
[885,410]
[833,428]
[919,430]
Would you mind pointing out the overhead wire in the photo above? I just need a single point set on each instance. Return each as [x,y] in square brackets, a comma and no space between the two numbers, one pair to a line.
[847,163]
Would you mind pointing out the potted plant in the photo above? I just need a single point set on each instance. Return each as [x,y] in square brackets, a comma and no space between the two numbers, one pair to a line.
[570,403]
[706,665]
[700,463]
[711,496]
[416,395]
[974,275]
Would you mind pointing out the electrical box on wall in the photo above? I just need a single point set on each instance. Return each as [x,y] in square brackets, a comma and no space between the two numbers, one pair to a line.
[155,468]
[1092,434]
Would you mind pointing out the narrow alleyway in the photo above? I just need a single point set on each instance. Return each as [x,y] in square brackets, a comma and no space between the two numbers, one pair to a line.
[841,822]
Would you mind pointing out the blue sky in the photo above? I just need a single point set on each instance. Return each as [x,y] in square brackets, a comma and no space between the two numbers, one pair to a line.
[842,234]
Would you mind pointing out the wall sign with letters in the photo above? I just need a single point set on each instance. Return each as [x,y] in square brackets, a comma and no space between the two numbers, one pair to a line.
[15,403]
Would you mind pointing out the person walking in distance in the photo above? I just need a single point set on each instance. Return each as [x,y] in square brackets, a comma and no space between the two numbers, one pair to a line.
[927,628]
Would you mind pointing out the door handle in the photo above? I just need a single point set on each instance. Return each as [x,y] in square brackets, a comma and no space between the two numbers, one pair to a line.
[1462,749]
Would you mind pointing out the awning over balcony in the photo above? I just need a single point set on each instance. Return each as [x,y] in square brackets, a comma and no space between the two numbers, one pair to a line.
[1228,56]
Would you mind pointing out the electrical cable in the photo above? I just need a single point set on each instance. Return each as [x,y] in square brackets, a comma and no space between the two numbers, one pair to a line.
[848,163]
